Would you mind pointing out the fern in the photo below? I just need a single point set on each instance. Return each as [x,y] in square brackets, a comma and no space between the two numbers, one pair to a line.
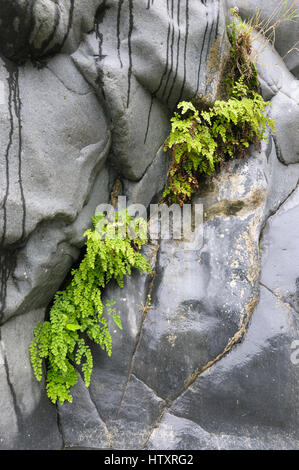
[200,140]
[111,253]
[202,136]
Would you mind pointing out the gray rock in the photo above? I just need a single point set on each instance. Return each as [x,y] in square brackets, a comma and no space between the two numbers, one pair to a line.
[183,434]
[43,27]
[47,140]
[203,298]
[285,113]
[9,423]
[280,267]
[226,407]
[284,178]
[111,375]
[200,363]
[150,188]
[189,328]
[135,416]
[273,74]
[140,123]
[81,425]
[230,398]
[25,408]
[279,86]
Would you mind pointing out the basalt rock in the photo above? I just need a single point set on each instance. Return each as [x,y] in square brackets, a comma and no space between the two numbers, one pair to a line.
[207,356]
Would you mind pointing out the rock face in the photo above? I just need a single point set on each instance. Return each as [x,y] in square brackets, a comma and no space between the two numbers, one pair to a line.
[208,355]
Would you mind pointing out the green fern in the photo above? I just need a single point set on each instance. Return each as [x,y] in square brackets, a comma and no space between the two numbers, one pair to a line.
[199,140]
[111,253]
[202,137]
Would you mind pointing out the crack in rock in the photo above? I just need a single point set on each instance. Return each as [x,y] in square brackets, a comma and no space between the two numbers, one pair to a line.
[144,316]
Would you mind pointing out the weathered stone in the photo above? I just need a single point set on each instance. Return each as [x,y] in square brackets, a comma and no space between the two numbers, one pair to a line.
[9,423]
[169,69]
[112,374]
[204,297]
[273,74]
[199,364]
[231,398]
[283,178]
[24,399]
[280,267]
[281,87]
[179,433]
[285,112]
[44,146]
[81,425]
[150,188]
[38,28]
[135,416]
[133,145]
[228,401]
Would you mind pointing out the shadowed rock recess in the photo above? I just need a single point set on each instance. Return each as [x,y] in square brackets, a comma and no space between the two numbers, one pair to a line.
[87,89]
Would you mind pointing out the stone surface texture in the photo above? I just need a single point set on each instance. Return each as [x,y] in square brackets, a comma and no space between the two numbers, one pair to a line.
[87,90]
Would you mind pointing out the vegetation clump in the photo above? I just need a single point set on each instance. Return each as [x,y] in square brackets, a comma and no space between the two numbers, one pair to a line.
[202,137]
[112,250]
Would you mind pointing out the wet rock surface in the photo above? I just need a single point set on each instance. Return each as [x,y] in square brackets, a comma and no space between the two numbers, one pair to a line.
[207,356]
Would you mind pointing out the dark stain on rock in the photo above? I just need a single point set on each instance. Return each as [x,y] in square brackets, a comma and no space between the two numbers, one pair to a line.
[149,4]
[207,186]
[234,207]
[177,54]
[193,305]
[120,4]
[57,48]
[49,39]
[185,51]
[171,21]
[18,22]
[131,26]
[224,208]
[8,256]
[14,108]
[100,13]
[200,56]
[14,37]
[229,208]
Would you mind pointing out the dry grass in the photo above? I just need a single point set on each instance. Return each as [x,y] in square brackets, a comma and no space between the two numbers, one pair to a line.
[258,28]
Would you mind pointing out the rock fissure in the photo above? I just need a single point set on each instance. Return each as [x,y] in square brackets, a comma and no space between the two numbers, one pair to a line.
[17,409]
[280,298]
[145,310]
